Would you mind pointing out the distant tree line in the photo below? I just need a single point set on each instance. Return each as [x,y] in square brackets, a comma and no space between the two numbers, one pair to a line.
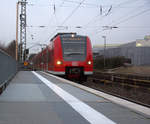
[112,62]
[10,49]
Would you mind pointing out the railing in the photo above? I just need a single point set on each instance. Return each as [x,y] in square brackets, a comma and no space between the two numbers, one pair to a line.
[8,68]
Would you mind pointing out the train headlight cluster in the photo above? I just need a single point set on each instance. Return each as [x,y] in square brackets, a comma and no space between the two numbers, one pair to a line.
[59,62]
[72,35]
[89,62]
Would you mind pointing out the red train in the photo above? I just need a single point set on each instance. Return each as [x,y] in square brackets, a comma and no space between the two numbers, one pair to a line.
[68,54]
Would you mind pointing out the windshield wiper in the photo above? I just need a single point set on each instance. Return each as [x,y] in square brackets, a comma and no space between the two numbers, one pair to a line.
[73,54]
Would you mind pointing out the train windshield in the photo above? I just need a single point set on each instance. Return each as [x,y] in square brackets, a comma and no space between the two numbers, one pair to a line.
[74,48]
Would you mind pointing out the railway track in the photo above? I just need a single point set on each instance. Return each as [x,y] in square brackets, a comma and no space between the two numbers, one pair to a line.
[117,94]
[132,92]
[124,79]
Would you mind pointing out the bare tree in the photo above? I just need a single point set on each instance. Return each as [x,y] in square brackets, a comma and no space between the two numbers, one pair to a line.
[11,48]
[2,46]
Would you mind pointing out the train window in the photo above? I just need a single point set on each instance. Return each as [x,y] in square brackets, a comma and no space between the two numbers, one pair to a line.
[74,49]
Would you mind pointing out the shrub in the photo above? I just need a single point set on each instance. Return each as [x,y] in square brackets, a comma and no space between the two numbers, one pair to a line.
[112,62]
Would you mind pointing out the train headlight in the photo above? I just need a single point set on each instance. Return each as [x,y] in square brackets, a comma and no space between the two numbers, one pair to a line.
[72,35]
[89,62]
[59,62]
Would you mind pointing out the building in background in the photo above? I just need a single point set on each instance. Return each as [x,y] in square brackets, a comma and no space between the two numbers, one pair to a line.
[138,51]
[98,48]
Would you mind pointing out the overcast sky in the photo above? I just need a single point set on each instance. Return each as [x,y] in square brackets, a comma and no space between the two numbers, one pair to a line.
[132,17]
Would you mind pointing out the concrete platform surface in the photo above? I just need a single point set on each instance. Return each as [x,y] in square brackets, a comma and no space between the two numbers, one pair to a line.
[37,98]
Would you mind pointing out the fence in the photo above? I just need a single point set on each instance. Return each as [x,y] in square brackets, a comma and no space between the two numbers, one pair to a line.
[8,68]
[138,55]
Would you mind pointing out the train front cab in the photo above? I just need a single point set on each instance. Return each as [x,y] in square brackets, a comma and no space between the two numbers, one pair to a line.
[73,57]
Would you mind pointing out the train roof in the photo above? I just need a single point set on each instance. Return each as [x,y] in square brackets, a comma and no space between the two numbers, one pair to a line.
[63,34]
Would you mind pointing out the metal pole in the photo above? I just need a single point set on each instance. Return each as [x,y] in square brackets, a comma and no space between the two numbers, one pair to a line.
[25,43]
[23,30]
[104,51]
[17,12]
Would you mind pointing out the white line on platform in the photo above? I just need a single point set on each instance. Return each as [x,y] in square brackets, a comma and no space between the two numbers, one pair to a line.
[122,102]
[83,109]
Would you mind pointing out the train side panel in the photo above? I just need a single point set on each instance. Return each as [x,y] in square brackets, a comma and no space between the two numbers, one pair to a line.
[58,57]
[88,67]
[50,57]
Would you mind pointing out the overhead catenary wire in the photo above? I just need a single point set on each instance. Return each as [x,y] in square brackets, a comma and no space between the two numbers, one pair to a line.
[87,27]
[97,5]
[128,1]
[69,16]
[136,9]
[131,17]
[124,16]
[84,5]
[109,11]
[135,27]
[114,8]
[53,15]
[66,19]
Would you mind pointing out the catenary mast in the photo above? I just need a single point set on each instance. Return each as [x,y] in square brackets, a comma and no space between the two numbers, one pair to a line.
[23,31]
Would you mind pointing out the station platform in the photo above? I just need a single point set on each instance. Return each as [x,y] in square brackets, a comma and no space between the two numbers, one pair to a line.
[40,98]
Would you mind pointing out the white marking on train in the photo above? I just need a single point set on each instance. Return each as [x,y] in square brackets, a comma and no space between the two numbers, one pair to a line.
[91,115]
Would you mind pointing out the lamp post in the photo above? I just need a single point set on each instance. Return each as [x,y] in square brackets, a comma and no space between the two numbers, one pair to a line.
[104,50]
[106,28]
